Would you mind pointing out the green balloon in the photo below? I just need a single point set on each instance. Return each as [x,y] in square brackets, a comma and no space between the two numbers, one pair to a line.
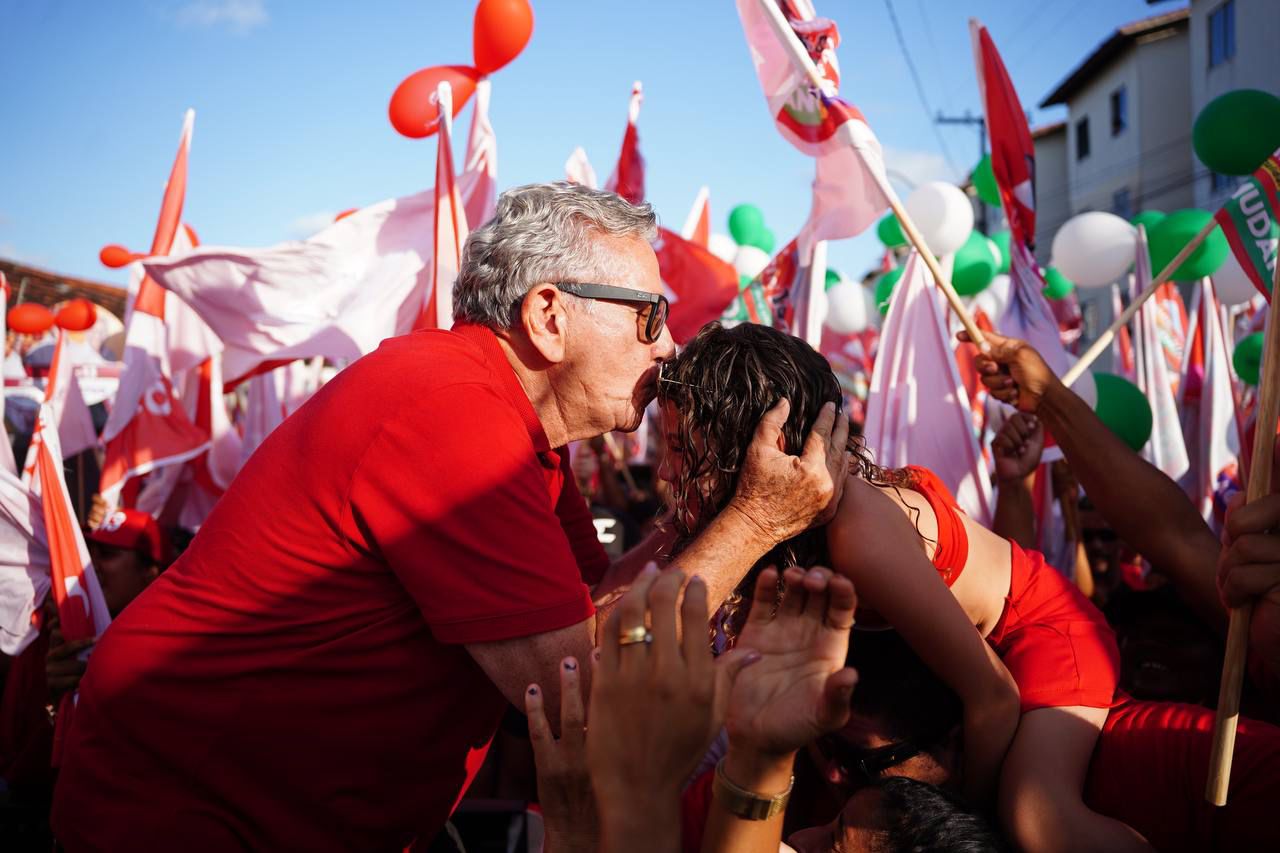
[833,278]
[1002,239]
[762,239]
[1149,219]
[975,265]
[889,230]
[1175,231]
[1056,285]
[745,222]
[984,181]
[1247,358]
[744,281]
[884,288]
[1124,409]
[1237,131]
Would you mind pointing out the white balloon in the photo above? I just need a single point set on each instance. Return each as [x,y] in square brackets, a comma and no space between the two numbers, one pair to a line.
[723,247]
[846,308]
[1094,249]
[942,214]
[1232,285]
[994,298]
[750,261]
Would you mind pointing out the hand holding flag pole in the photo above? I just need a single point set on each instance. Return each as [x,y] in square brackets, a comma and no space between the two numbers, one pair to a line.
[800,56]
[1264,442]
[1104,340]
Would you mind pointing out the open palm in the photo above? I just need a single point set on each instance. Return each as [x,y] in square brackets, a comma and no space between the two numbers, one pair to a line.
[799,689]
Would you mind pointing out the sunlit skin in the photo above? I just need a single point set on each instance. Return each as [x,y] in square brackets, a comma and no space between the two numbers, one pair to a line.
[856,828]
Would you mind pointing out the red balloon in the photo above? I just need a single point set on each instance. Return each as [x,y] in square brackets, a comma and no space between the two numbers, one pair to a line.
[115,256]
[344,214]
[502,29]
[77,315]
[30,318]
[414,112]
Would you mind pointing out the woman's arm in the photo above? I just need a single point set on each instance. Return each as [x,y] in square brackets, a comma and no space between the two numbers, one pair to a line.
[874,544]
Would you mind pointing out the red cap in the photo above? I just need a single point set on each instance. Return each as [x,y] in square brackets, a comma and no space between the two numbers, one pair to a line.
[134,530]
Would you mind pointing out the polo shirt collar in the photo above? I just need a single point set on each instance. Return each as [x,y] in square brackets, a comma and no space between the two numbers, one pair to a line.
[500,367]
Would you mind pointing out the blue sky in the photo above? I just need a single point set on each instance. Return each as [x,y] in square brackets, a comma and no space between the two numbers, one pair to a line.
[291,97]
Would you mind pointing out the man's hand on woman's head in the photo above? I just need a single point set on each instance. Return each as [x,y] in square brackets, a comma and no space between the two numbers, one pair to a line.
[780,495]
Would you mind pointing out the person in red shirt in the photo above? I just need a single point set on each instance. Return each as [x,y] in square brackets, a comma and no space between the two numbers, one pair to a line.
[325,665]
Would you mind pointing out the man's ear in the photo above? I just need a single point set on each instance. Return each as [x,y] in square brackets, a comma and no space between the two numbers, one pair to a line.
[543,317]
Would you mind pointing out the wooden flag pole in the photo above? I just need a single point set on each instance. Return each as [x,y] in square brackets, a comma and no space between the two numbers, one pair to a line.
[1264,443]
[1104,340]
[800,57]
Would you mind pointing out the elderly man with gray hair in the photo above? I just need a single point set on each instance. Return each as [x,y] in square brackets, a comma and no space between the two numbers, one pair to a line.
[324,667]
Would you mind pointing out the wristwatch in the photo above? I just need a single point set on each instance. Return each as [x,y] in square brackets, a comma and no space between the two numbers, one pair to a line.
[745,804]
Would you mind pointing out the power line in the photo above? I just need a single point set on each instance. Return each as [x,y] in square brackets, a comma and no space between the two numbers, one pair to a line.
[915,76]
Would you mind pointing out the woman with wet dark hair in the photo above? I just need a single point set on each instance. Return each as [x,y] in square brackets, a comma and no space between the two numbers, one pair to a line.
[1048,667]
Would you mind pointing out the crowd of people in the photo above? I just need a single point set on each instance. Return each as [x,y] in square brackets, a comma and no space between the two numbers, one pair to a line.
[440,588]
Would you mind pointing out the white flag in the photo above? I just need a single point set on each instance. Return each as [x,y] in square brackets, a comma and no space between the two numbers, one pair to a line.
[1166,450]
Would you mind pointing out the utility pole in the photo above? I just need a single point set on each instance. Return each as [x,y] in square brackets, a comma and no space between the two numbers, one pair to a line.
[981,123]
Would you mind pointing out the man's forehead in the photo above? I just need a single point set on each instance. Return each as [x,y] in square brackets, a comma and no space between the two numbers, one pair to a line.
[631,262]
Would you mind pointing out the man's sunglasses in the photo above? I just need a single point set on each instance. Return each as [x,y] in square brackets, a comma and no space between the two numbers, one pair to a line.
[655,320]
[866,765]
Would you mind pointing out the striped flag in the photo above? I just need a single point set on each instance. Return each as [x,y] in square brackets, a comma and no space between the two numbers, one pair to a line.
[1249,222]
[627,179]
[848,188]
[481,160]
[148,427]
[70,414]
[450,225]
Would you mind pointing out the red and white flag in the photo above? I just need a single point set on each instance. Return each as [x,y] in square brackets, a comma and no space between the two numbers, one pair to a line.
[68,409]
[7,462]
[481,160]
[1210,421]
[337,294]
[450,224]
[1167,449]
[627,179]
[148,427]
[697,227]
[917,409]
[700,286]
[24,564]
[275,395]
[1122,355]
[1013,154]
[850,187]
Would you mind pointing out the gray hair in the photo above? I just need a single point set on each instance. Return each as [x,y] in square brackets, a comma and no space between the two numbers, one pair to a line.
[540,232]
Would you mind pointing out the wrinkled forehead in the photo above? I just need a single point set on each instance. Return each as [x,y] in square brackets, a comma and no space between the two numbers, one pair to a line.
[627,262]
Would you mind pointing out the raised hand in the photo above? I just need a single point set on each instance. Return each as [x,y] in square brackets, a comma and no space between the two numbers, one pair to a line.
[800,687]
[781,495]
[1018,447]
[1013,371]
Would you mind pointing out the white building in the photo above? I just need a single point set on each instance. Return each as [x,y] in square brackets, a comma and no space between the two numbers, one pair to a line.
[1233,45]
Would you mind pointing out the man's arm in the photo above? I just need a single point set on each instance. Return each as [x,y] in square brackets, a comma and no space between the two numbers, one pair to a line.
[1147,509]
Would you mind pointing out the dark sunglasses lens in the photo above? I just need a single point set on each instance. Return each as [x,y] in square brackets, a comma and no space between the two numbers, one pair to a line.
[657,321]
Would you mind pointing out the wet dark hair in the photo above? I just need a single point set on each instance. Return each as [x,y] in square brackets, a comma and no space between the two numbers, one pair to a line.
[919,816]
[721,385]
[899,692]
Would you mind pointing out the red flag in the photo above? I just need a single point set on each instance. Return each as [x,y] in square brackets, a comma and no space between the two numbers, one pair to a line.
[450,226]
[697,227]
[1013,154]
[627,179]
[148,427]
[701,285]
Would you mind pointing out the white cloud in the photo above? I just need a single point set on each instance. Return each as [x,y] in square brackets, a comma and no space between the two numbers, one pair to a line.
[304,226]
[240,16]
[917,167]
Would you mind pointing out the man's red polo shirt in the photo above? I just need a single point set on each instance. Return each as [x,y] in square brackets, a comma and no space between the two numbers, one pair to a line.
[297,680]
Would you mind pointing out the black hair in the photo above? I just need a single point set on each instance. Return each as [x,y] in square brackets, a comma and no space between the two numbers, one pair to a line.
[896,689]
[916,816]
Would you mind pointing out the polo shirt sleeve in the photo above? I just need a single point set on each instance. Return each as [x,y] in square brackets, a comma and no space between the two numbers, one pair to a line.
[575,519]
[451,495]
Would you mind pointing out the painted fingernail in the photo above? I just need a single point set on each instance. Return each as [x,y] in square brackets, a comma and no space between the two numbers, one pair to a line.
[533,690]
[650,568]
[570,665]
[595,655]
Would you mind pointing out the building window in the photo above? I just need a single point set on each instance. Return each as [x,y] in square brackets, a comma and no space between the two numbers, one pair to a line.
[1222,33]
[1122,203]
[1219,183]
[1119,111]
[1082,138]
